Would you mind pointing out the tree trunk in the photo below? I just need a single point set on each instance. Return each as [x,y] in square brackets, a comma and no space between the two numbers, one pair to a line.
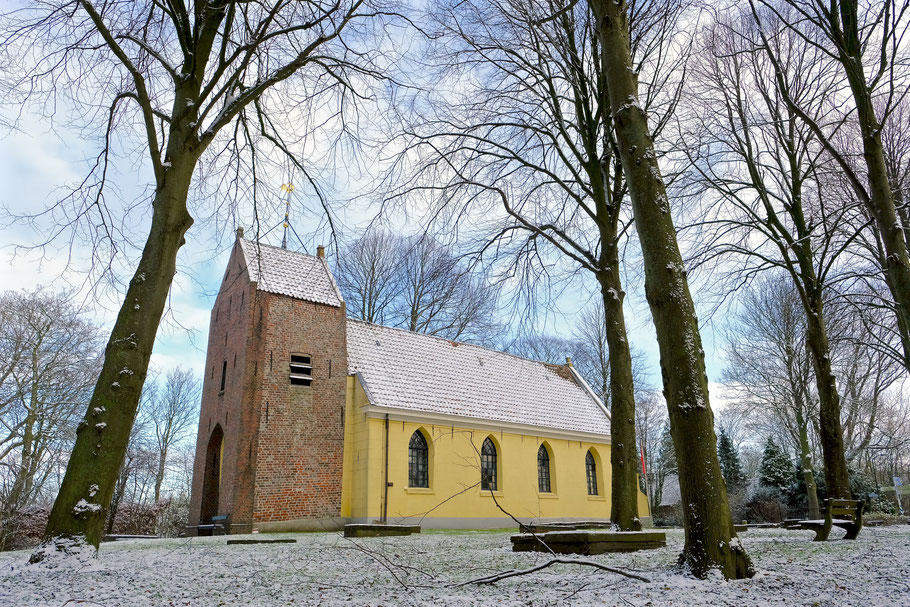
[880,200]
[102,436]
[159,474]
[830,430]
[711,541]
[802,427]
[623,446]
[805,458]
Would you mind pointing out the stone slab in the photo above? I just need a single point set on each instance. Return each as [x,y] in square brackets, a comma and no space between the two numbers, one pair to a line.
[275,541]
[563,526]
[379,530]
[589,542]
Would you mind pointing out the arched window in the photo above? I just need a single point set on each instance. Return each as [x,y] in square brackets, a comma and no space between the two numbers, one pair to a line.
[543,470]
[591,471]
[488,465]
[418,461]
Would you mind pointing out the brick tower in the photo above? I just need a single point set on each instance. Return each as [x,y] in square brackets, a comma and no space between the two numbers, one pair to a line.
[271,437]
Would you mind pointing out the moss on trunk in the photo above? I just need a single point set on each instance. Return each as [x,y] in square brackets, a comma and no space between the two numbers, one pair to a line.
[711,541]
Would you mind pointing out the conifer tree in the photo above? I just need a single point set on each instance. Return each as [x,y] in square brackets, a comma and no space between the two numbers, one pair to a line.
[776,470]
[730,466]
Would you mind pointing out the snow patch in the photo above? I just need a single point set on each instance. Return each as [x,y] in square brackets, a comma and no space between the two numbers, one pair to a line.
[64,554]
[83,507]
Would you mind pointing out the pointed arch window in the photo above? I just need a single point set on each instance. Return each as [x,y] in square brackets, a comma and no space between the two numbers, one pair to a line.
[488,480]
[591,472]
[418,461]
[543,470]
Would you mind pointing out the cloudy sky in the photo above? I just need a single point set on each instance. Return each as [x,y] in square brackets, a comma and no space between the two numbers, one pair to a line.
[39,163]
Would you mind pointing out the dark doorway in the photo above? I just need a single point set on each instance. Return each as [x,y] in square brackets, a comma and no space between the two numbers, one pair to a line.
[211,482]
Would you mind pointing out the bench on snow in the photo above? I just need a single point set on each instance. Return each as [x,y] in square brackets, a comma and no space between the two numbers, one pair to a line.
[217,525]
[846,514]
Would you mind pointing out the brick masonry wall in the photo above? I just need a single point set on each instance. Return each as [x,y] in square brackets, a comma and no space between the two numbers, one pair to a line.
[230,333]
[301,429]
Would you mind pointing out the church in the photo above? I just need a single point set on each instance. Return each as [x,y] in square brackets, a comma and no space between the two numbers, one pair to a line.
[311,420]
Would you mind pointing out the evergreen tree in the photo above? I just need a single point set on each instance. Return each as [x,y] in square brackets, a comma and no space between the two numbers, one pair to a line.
[664,465]
[776,471]
[730,466]
[667,454]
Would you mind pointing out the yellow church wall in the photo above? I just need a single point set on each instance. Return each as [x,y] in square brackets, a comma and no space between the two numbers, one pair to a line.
[454,497]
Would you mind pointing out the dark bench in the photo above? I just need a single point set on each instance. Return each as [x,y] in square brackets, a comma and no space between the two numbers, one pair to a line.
[846,514]
[217,525]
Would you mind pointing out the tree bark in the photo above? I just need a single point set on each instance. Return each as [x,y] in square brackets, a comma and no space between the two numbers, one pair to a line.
[711,541]
[159,474]
[800,403]
[102,436]
[880,199]
[830,430]
[623,446]
[805,458]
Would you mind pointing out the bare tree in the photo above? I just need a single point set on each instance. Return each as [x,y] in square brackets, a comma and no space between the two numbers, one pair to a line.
[137,466]
[172,410]
[863,39]
[49,358]
[711,541]
[867,374]
[770,200]
[369,275]
[650,425]
[419,284]
[769,369]
[552,349]
[215,80]
[444,296]
[528,146]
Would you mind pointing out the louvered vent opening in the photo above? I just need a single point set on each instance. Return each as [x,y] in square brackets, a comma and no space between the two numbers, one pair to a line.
[301,370]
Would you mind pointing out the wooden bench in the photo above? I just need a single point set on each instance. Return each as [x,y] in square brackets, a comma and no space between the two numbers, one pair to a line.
[217,525]
[846,514]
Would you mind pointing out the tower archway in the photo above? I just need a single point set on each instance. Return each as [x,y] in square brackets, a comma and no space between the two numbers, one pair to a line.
[211,483]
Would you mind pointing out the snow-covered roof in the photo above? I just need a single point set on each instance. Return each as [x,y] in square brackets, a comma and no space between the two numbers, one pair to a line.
[426,374]
[289,273]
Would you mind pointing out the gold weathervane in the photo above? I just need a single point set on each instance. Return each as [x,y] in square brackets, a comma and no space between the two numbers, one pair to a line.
[289,188]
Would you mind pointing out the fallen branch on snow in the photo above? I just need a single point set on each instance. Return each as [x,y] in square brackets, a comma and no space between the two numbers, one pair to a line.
[492,579]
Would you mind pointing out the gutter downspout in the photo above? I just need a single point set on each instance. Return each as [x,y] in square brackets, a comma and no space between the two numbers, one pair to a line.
[385,476]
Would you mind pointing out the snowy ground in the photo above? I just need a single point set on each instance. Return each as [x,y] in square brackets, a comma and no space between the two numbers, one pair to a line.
[326,569]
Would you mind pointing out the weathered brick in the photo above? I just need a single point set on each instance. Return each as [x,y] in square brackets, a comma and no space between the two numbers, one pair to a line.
[283,444]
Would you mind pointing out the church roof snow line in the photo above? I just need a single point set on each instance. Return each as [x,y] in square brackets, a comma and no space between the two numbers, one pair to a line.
[432,375]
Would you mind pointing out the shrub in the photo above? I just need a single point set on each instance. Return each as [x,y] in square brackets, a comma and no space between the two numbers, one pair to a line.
[173,517]
[766,505]
[25,528]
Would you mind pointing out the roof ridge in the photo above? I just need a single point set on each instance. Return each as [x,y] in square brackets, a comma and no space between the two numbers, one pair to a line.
[277,248]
